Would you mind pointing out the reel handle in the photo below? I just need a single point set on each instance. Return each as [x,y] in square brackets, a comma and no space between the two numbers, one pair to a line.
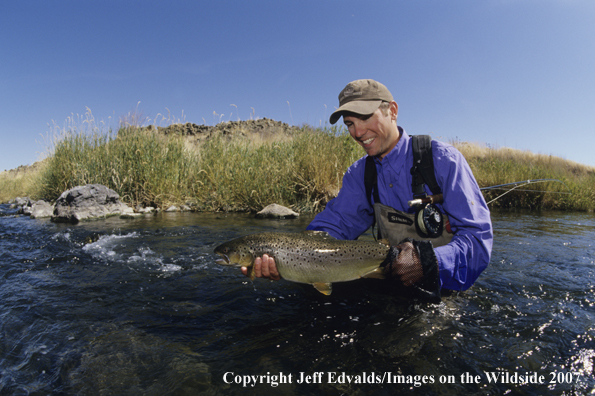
[431,199]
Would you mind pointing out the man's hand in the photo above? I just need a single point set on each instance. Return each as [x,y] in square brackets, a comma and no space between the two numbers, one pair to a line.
[264,267]
[414,264]
[406,264]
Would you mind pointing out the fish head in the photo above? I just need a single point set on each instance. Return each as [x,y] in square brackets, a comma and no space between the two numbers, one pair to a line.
[235,254]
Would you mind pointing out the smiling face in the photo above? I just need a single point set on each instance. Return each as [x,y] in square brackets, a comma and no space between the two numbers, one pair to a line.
[377,133]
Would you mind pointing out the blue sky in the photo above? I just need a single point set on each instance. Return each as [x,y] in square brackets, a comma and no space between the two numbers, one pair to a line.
[508,73]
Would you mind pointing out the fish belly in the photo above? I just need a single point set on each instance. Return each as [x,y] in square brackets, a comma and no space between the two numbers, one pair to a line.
[323,269]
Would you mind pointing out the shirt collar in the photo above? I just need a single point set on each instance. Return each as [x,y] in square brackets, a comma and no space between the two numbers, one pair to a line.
[398,155]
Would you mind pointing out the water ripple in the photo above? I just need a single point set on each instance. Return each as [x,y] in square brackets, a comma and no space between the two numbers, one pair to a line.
[140,307]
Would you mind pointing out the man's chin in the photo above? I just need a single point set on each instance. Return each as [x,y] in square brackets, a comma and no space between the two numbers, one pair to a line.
[371,152]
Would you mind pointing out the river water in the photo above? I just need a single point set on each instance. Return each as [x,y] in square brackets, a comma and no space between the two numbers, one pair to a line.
[139,307]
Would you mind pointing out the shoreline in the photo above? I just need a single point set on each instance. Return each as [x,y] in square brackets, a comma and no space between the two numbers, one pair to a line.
[243,166]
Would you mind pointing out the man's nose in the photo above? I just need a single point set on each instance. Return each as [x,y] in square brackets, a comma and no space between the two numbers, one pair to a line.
[359,129]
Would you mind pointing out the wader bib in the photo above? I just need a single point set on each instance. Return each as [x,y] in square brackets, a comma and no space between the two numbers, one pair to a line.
[396,225]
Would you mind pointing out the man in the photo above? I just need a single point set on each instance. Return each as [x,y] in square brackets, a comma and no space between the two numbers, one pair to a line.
[370,114]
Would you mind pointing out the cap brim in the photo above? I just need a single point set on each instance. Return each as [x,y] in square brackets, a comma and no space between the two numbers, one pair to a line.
[362,107]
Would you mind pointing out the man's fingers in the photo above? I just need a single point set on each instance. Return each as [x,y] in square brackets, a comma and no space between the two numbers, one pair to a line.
[274,274]
[266,264]
[258,267]
[264,267]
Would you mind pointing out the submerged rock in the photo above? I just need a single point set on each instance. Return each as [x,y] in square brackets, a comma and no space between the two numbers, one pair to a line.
[93,201]
[131,215]
[277,212]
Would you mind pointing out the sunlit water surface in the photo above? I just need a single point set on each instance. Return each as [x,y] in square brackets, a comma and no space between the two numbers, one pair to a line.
[127,307]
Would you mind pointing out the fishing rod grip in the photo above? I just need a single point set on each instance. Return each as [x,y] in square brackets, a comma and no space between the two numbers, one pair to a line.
[438,198]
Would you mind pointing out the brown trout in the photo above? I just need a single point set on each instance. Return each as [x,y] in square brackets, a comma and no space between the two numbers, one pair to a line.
[312,257]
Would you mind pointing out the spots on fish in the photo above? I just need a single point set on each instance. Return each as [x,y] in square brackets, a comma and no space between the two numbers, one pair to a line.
[312,258]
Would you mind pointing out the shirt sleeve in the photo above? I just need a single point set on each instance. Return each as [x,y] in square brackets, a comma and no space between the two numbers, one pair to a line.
[461,261]
[349,214]
[468,254]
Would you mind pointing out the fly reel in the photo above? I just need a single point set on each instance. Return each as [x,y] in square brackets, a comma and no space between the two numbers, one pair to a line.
[429,221]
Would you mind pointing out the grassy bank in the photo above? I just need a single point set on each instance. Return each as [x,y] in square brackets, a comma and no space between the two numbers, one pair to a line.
[24,181]
[301,169]
[144,167]
[504,165]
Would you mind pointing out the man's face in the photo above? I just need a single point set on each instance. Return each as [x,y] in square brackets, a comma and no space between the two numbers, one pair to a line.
[376,133]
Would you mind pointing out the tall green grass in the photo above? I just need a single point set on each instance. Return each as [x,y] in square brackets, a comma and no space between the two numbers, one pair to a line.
[303,170]
[149,168]
[142,165]
[494,166]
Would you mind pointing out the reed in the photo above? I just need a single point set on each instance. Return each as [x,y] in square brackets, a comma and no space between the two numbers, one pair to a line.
[495,166]
[302,170]
[149,168]
[142,165]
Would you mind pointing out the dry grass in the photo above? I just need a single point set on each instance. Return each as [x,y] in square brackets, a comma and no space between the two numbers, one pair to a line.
[303,171]
[495,166]
[24,181]
[237,169]
[301,168]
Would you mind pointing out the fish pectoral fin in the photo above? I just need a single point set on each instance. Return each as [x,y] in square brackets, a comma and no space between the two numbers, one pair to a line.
[376,273]
[324,288]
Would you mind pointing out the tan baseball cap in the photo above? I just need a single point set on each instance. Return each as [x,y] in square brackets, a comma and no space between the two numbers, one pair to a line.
[361,97]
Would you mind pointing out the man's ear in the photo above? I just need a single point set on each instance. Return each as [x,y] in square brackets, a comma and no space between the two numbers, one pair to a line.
[393,110]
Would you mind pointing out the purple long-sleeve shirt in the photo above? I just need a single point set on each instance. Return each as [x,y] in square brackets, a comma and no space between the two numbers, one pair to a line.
[467,255]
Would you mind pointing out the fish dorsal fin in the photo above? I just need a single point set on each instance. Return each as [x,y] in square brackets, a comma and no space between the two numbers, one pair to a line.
[376,273]
[324,288]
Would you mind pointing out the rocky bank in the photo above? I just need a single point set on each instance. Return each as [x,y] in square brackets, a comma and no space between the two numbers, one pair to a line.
[97,201]
[264,128]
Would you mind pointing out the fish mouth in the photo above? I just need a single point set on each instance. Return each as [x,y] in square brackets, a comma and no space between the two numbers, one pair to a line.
[223,260]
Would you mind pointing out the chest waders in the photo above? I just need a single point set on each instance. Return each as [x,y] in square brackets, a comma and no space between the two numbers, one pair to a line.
[428,223]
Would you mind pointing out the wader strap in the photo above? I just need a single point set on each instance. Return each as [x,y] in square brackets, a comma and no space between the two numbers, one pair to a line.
[423,166]
[371,184]
[422,173]
[371,180]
